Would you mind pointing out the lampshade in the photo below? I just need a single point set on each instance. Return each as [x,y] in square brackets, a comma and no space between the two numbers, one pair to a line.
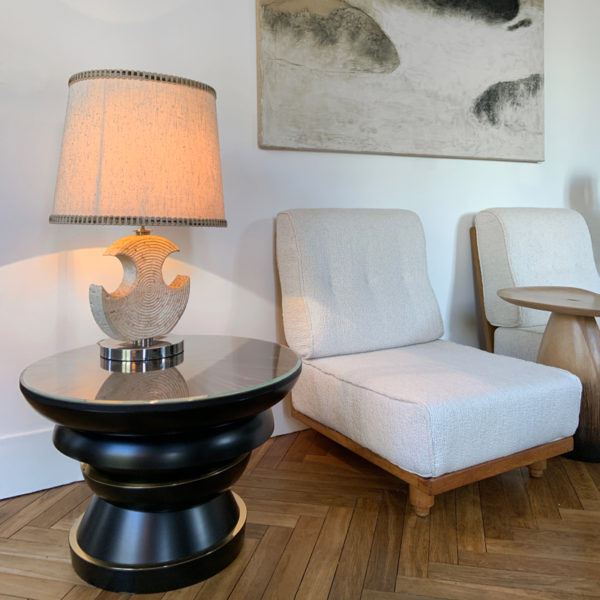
[139,149]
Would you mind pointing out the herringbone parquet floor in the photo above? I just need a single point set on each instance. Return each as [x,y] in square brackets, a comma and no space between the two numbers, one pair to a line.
[323,523]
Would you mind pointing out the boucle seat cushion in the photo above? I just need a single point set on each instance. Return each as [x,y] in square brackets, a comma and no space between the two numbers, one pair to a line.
[438,407]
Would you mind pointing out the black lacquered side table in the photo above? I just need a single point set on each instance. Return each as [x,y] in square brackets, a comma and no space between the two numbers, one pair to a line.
[160,449]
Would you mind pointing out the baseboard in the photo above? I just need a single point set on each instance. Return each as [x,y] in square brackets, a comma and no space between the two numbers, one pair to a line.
[29,462]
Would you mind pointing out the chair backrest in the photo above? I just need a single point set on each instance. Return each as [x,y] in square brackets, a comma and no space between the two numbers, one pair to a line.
[354,280]
[528,247]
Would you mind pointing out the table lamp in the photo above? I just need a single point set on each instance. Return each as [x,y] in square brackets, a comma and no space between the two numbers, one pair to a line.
[139,149]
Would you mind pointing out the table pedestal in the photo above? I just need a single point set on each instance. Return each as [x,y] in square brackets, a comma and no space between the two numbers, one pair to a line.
[162,516]
[572,342]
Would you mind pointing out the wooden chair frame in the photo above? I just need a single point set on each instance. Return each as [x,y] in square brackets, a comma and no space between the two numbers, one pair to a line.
[422,490]
[488,328]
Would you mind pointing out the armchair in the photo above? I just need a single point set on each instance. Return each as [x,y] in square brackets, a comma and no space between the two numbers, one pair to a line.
[359,308]
[527,247]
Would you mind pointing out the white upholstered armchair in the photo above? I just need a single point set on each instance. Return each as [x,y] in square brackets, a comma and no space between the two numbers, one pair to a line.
[527,247]
[359,308]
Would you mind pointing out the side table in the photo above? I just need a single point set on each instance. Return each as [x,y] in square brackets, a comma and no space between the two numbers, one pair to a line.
[571,341]
[160,449]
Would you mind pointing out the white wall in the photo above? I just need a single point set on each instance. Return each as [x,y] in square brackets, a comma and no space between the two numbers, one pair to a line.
[45,270]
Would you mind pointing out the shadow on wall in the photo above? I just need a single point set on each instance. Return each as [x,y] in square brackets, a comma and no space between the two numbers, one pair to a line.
[583,197]
[463,324]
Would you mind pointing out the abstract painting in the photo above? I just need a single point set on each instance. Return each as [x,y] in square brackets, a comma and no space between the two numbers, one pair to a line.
[449,78]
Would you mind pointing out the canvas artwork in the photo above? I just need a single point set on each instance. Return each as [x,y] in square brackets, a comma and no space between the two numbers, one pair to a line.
[453,78]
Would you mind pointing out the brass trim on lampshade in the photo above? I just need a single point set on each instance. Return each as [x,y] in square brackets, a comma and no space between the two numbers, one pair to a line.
[133,221]
[129,74]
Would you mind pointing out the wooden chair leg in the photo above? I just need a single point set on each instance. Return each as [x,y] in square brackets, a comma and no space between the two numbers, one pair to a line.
[537,469]
[421,501]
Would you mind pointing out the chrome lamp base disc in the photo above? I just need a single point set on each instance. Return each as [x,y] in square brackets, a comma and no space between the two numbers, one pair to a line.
[157,349]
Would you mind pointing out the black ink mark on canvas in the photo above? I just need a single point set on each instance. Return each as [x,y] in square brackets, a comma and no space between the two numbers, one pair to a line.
[506,94]
[519,24]
[345,39]
[489,10]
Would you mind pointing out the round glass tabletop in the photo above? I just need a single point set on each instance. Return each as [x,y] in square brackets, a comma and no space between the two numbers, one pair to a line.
[213,367]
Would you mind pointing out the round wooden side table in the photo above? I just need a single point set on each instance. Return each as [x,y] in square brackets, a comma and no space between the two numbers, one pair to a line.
[571,341]
[160,448]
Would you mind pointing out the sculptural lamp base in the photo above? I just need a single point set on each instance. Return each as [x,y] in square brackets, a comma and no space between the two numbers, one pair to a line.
[150,350]
[141,312]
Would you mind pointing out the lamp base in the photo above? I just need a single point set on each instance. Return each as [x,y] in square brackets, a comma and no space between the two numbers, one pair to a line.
[157,349]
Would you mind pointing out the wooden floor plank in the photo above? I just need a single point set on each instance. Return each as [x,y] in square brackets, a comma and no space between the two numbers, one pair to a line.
[341,464]
[272,518]
[414,555]
[469,521]
[468,591]
[567,526]
[563,551]
[378,595]
[15,547]
[584,485]
[522,580]
[594,472]
[297,509]
[219,586]
[79,493]
[255,531]
[255,489]
[350,574]
[542,502]
[532,564]
[32,510]
[106,595]
[292,564]
[583,516]
[578,539]
[561,488]
[59,570]
[282,478]
[496,520]
[257,575]
[11,506]
[321,468]
[301,445]
[517,498]
[35,588]
[323,563]
[385,550]
[79,592]
[66,522]
[187,593]
[258,454]
[275,451]
[443,542]
[40,535]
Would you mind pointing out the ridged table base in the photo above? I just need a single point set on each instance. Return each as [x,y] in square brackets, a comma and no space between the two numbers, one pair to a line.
[162,515]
